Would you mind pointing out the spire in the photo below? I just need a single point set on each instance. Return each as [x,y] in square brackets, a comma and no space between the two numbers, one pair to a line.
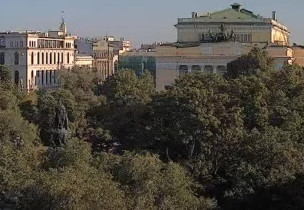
[63,26]
[62,17]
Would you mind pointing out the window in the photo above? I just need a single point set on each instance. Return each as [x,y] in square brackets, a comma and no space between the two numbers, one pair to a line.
[245,38]
[32,77]
[16,61]
[58,58]
[221,70]
[2,42]
[38,78]
[16,77]
[2,58]
[21,43]
[46,76]
[42,58]
[196,68]
[38,58]
[51,76]
[51,58]
[208,69]
[54,58]
[32,58]
[11,44]
[46,58]
[42,77]
[183,69]
[62,58]
[68,58]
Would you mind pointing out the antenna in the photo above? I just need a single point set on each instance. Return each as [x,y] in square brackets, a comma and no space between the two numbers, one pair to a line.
[62,17]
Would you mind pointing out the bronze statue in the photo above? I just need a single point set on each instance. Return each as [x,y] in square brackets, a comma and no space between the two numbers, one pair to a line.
[61,117]
[223,28]
[60,132]
[232,36]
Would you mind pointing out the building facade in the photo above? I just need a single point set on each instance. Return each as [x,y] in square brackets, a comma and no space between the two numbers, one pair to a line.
[35,57]
[104,52]
[174,61]
[104,58]
[240,24]
[207,43]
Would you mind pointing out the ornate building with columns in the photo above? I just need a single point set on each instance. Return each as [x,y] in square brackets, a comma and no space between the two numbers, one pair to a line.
[35,57]
[241,24]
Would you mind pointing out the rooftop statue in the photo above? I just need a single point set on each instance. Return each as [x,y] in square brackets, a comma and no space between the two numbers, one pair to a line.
[220,36]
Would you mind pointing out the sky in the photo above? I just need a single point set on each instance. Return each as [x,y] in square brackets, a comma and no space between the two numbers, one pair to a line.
[140,21]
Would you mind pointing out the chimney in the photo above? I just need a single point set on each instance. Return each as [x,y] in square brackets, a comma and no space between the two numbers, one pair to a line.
[274,15]
[236,6]
[193,14]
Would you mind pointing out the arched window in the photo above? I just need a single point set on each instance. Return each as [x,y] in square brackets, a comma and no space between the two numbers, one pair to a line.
[16,62]
[68,58]
[42,58]
[51,58]
[38,58]
[32,58]
[32,78]
[16,77]
[2,58]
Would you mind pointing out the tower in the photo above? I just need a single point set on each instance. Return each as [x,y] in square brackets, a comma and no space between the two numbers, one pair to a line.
[63,27]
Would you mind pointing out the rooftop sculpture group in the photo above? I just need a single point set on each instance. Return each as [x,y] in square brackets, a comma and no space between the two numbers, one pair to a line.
[220,36]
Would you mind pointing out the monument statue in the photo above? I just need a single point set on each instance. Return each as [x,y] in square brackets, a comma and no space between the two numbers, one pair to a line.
[61,117]
[60,132]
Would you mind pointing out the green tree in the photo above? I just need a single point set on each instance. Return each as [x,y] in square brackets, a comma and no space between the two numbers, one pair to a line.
[257,62]
[149,183]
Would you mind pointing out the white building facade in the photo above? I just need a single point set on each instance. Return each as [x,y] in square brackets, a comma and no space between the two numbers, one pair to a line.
[35,58]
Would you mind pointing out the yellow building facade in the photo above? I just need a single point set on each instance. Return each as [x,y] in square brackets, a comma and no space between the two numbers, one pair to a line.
[239,25]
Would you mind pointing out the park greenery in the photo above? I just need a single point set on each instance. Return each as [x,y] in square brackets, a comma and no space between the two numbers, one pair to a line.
[207,142]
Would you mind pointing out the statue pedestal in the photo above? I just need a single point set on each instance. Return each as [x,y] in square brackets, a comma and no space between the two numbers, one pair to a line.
[59,137]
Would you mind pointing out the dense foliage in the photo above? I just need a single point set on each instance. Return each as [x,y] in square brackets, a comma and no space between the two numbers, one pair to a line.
[208,142]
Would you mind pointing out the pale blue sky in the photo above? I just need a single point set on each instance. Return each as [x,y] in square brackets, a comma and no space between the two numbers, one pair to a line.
[140,21]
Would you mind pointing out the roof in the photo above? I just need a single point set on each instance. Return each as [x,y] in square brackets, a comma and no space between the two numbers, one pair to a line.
[230,13]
